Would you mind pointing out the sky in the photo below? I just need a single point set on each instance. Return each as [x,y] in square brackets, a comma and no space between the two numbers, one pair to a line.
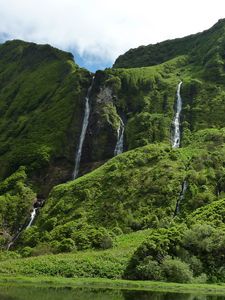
[98,31]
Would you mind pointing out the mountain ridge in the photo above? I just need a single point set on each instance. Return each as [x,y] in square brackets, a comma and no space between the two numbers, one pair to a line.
[145,51]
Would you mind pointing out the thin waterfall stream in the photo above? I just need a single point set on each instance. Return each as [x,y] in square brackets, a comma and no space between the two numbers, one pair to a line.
[176,120]
[181,197]
[83,131]
[39,203]
[120,138]
[32,217]
[176,139]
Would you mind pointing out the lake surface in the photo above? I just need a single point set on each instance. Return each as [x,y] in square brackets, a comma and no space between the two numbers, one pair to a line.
[46,293]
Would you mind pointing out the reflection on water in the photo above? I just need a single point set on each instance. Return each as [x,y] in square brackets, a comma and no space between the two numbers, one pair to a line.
[38,293]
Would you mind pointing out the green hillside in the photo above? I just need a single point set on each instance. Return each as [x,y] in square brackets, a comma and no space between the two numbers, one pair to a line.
[204,49]
[41,94]
[136,199]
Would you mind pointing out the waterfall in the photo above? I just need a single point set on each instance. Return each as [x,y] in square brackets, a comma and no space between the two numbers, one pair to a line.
[39,203]
[176,120]
[181,197]
[13,240]
[32,216]
[83,131]
[120,137]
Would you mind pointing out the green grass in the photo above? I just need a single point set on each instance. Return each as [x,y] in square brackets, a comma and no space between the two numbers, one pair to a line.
[100,283]
[107,264]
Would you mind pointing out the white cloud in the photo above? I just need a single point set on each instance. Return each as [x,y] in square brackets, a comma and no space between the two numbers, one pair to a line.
[105,28]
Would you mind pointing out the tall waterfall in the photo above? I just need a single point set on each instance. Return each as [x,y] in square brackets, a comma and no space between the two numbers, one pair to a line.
[176,120]
[32,217]
[83,131]
[120,137]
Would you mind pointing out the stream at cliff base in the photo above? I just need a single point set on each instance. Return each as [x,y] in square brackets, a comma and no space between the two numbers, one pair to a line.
[52,293]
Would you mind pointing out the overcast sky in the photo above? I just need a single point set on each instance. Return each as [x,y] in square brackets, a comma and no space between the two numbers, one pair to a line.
[97,31]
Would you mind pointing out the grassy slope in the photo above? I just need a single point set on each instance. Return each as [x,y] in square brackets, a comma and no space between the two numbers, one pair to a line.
[200,47]
[106,264]
[132,191]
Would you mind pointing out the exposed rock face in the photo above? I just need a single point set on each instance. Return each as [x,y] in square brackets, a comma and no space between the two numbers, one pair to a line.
[105,95]
[101,135]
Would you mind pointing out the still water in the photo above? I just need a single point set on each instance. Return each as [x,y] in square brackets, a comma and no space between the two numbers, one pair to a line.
[40,293]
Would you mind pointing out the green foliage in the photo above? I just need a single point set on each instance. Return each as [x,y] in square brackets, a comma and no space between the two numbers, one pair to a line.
[98,200]
[41,94]
[114,82]
[181,253]
[110,263]
[149,269]
[16,200]
[146,128]
[8,255]
[205,48]
[66,245]
[176,271]
[41,109]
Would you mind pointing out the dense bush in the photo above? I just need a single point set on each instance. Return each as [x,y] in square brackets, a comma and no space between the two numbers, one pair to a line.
[149,269]
[175,270]
[181,253]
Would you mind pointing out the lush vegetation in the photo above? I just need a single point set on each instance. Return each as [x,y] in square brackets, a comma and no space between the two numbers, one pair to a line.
[204,49]
[109,263]
[129,218]
[41,93]
[16,199]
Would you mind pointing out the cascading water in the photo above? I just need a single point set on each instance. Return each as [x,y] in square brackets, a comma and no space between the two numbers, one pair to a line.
[83,131]
[176,144]
[32,216]
[176,120]
[120,137]
[15,238]
[39,203]
[181,197]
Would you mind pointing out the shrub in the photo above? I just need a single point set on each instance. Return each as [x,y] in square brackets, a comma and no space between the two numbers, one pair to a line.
[176,270]
[67,245]
[41,249]
[149,269]
[30,237]
[201,278]
[5,255]
[26,251]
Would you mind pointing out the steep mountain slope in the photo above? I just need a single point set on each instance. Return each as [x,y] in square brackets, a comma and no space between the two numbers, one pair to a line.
[136,190]
[150,185]
[146,187]
[41,94]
